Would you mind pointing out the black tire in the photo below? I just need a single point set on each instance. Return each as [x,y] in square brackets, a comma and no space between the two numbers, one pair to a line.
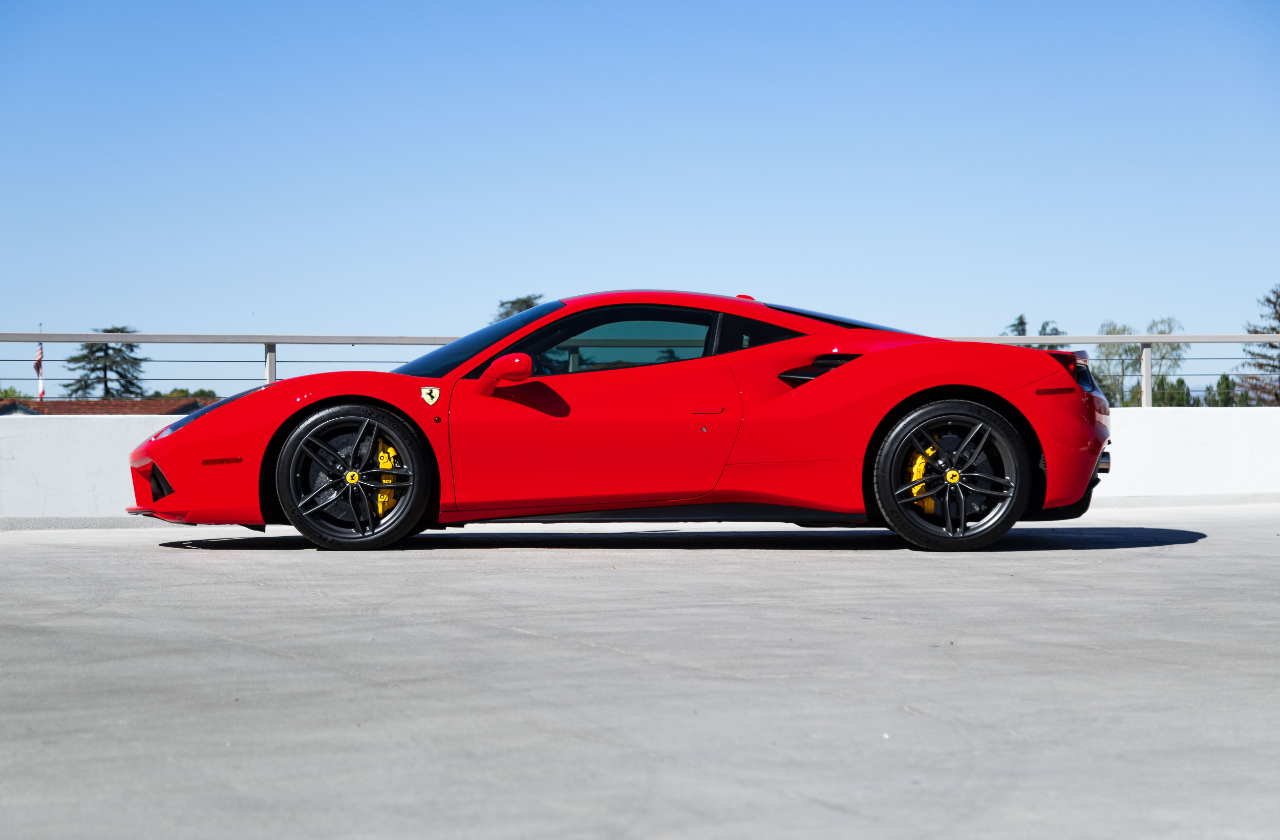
[331,478]
[952,476]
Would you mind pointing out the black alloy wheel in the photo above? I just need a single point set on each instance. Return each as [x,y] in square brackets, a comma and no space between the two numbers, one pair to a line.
[952,476]
[354,477]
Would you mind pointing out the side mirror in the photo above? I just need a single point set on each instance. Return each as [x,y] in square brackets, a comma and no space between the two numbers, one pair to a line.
[513,367]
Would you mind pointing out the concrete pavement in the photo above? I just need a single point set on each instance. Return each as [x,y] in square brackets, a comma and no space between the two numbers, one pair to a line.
[1114,677]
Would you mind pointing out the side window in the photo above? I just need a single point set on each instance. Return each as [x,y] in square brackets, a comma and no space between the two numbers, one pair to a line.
[738,333]
[615,337]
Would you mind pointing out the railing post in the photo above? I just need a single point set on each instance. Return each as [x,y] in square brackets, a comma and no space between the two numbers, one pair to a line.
[271,362]
[1146,376]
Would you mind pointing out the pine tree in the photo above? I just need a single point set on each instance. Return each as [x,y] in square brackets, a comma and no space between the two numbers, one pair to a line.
[1224,395]
[1018,327]
[1264,357]
[507,308]
[1050,328]
[1176,393]
[114,367]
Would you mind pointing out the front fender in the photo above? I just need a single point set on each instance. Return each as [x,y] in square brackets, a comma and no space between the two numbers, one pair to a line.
[215,462]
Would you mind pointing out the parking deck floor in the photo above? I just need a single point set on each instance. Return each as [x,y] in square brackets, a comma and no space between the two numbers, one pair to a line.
[1118,676]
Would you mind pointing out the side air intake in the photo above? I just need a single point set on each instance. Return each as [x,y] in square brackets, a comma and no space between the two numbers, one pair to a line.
[821,365]
[160,486]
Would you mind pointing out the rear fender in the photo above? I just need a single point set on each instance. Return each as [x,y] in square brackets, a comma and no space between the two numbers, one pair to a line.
[836,416]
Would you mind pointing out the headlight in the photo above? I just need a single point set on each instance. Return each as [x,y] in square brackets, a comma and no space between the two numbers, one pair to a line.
[200,412]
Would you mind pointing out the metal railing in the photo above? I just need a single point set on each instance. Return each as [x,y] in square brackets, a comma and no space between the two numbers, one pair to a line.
[1144,341]
[271,342]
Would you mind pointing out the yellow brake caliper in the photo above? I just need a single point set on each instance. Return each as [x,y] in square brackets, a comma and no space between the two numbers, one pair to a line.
[387,460]
[917,473]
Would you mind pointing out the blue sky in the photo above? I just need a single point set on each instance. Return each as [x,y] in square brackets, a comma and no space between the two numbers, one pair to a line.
[398,168]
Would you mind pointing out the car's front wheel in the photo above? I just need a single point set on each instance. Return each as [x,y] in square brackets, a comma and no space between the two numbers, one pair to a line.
[353,477]
[952,476]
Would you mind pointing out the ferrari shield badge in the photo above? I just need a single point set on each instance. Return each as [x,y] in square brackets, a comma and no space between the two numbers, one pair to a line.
[431,395]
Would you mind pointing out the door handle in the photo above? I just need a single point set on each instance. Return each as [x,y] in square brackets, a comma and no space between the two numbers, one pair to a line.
[709,410]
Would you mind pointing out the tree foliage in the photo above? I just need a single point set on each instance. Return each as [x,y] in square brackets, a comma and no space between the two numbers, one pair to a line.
[114,367]
[12,393]
[1166,359]
[1114,366]
[1118,367]
[1170,393]
[1263,380]
[1224,394]
[1018,327]
[1050,328]
[182,393]
[507,308]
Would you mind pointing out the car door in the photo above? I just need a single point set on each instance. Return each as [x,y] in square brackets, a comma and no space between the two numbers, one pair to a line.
[626,404]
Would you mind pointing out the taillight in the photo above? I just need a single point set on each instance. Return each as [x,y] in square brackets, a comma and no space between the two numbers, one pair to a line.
[1067,360]
[1077,364]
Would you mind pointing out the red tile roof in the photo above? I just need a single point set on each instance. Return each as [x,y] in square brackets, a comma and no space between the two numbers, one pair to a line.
[167,405]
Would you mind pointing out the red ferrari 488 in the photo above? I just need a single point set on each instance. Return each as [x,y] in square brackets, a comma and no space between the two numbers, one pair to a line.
[649,407]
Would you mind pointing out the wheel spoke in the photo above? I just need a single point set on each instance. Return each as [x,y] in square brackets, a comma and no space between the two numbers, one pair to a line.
[944,461]
[977,450]
[355,462]
[917,483]
[946,512]
[319,452]
[394,485]
[1007,482]
[322,505]
[935,491]
[368,511]
[960,493]
[996,493]
[326,486]
[355,514]
[387,471]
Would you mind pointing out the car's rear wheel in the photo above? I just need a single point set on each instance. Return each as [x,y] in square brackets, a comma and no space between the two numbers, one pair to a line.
[353,477]
[952,476]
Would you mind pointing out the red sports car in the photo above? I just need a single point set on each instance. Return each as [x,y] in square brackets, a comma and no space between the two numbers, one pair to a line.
[649,407]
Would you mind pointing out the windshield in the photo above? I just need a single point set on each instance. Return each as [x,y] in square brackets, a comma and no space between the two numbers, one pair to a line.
[847,323]
[441,361]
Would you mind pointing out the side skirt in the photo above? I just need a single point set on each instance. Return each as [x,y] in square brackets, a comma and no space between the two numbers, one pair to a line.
[734,512]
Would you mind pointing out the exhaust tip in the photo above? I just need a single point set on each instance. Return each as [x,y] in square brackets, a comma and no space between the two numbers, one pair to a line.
[1104,463]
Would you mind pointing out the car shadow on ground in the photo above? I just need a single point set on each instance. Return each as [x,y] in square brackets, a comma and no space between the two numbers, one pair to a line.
[861,539]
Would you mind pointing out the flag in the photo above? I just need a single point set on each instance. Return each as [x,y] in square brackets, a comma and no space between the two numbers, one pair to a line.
[39,366]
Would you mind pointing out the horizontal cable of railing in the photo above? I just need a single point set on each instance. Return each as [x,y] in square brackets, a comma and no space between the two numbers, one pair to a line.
[270,342]
[218,338]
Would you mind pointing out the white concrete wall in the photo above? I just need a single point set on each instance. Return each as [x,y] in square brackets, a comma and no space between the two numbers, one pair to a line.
[1193,453]
[78,466]
[70,466]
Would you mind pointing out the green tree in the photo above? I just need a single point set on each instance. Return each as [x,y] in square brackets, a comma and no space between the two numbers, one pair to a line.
[12,393]
[1018,327]
[182,393]
[1222,396]
[1166,359]
[1050,328]
[1173,394]
[1115,365]
[507,308]
[114,367]
[1263,380]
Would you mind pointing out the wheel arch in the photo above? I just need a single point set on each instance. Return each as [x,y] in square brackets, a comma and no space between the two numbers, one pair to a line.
[269,501]
[969,393]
